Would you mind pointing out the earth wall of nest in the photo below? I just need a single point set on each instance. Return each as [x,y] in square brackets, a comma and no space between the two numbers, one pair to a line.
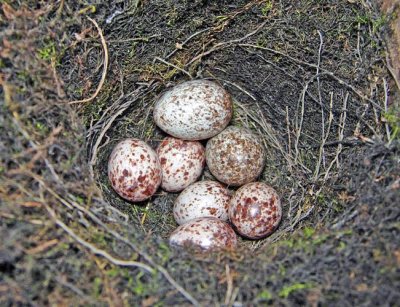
[302,74]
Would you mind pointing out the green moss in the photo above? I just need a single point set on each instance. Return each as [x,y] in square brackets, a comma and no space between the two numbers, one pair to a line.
[48,51]
[114,272]
[321,199]
[172,16]
[148,134]
[23,75]
[308,232]
[164,252]
[341,246]
[78,91]
[97,287]
[264,295]
[138,287]
[88,9]
[392,117]
[376,23]
[281,270]
[99,238]
[363,19]
[309,239]
[266,8]
[320,239]
[80,200]
[41,128]
[93,111]
[286,291]
[160,70]
[262,42]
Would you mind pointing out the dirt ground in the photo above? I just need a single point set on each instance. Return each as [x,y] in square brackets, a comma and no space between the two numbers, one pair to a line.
[318,80]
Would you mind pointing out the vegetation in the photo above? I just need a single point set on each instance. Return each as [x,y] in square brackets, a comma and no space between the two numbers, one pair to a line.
[308,76]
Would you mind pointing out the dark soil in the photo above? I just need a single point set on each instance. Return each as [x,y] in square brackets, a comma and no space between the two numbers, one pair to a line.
[310,77]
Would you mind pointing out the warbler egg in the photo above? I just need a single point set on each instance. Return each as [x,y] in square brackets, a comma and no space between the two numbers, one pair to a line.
[255,210]
[201,199]
[182,163]
[236,156]
[134,170]
[194,110]
[207,233]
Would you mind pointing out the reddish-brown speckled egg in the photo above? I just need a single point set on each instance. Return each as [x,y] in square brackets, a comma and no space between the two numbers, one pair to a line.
[134,170]
[182,163]
[235,156]
[255,210]
[207,233]
[194,110]
[203,198]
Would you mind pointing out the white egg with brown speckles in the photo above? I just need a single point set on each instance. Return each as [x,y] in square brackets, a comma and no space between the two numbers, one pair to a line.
[194,110]
[134,170]
[201,199]
[236,156]
[182,163]
[206,233]
[255,210]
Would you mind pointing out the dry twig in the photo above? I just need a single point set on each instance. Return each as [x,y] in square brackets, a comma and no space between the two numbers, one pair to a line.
[105,66]
[117,236]
[185,42]
[174,66]
[223,44]
[324,139]
[385,105]
[93,248]
[106,126]
[340,137]
[324,72]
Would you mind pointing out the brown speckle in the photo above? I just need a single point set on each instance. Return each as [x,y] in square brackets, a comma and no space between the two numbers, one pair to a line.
[213,211]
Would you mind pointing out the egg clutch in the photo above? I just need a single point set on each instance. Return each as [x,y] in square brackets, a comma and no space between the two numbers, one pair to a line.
[205,210]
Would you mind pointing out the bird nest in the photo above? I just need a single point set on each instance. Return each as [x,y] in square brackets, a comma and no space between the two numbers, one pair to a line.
[308,77]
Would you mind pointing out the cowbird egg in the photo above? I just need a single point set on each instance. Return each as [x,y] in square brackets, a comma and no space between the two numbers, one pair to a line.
[207,233]
[194,110]
[235,156]
[134,170]
[255,210]
[182,163]
[203,198]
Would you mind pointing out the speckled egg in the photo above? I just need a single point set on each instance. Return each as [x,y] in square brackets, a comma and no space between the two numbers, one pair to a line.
[207,233]
[255,210]
[201,199]
[235,156]
[134,170]
[194,110]
[182,163]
